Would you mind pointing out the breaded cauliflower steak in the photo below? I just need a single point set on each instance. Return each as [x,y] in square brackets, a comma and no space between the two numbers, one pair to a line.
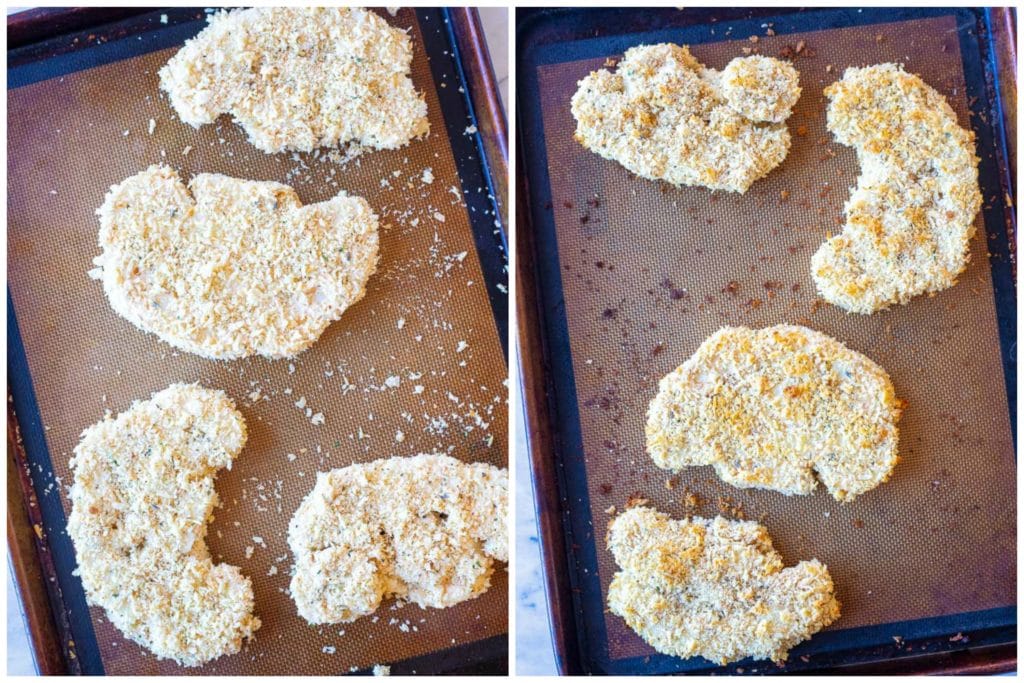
[228,268]
[426,529]
[910,220]
[771,408]
[142,498]
[664,116]
[713,588]
[300,78]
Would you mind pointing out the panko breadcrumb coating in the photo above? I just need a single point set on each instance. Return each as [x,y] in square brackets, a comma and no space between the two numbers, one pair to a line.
[298,78]
[426,529]
[910,220]
[228,268]
[772,408]
[714,588]
[140,504]
[664,116]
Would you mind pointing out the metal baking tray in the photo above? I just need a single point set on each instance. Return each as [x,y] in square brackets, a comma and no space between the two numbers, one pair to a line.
[620,279]
[82,89]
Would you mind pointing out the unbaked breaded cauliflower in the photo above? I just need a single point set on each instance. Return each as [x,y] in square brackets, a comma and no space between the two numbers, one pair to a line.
[299,78]
[140,504]
[772,408]
[426,529]
[664,116]
[910,220]
[713,588]
[228,268]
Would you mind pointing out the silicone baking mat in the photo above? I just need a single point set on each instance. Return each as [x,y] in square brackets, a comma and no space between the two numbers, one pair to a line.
[636,274]
[417,366]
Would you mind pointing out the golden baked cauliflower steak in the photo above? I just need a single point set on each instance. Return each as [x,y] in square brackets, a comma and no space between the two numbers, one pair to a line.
[910,219]
[227,268]
[713,588]
[427,529]
[776,407]
[665,116]
[140,504]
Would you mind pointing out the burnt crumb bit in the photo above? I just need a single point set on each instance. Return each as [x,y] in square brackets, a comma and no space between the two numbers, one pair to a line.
[658,349]
[674,293]
[635,500]
[606,489]
[858,523]
[567,204]
[728,506]
[584,219]
[610,314]
[731,288]
[795,288]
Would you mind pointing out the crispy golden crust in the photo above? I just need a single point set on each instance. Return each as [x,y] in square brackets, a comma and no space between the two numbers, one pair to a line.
[714,588]
[228,268]
[772,408]
[426,528]
[910,219]
[664,116]
[140,504]
[300,78]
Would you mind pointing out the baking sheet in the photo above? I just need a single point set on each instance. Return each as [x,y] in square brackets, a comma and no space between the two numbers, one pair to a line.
[647,271]
[417,366]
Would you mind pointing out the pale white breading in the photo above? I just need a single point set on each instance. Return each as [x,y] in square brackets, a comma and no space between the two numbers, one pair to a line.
[426,529]
[713,588]
[299,78]
[664,116]
[228,268]
[910,219]
[140,504]
[772,408]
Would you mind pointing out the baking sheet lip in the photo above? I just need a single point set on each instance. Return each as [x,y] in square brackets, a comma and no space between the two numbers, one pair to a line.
[69,594]
[491,248]
[981,628]
[578,528]
[557,52]
[40,66]
[20,384]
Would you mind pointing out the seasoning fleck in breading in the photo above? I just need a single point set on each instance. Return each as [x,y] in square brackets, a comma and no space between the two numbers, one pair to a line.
[910,220]
[299,78]
[771,408]
[228,268]
[426,529]
[140,504]
[664,116]
[714,588]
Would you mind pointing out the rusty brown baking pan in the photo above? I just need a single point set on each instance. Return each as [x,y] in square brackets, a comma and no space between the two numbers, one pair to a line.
[82,89]
[620,279]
